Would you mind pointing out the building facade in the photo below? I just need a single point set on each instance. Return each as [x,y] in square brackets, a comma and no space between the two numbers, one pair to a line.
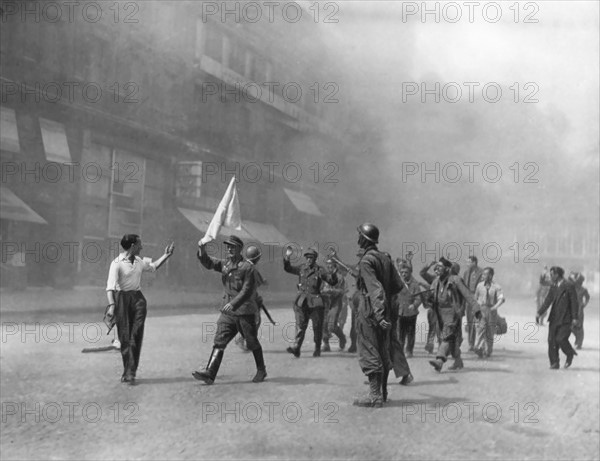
[134,119]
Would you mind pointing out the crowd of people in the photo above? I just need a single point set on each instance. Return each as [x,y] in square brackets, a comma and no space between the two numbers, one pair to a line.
[382,296]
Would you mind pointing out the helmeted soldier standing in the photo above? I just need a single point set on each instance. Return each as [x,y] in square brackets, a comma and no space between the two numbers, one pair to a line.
[253,255]
[377,283]
[238,314]
[309,302]
[447,296]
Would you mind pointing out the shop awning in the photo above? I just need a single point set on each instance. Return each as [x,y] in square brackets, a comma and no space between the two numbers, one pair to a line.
[55,141]
[303,202]
[9,135]
[265,233]
[201,220]
[13,208]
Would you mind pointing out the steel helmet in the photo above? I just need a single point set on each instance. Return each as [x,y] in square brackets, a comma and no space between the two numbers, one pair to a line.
[369,231]
[253,253]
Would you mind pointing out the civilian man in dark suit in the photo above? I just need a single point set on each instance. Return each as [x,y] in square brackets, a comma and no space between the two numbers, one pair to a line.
[564,315]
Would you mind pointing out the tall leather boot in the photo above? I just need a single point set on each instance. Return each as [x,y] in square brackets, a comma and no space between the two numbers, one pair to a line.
[261,370]
[384,381]
[212,368]
[374,399]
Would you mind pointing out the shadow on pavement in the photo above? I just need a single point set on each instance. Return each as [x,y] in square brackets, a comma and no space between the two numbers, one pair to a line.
[474,369]
[417,383]
[295,381]
[179,379]
[433,400]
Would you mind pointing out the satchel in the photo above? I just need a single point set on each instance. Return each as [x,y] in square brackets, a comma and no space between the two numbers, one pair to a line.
[501,325]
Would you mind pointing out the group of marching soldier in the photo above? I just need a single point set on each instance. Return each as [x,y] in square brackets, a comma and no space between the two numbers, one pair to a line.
[384,308]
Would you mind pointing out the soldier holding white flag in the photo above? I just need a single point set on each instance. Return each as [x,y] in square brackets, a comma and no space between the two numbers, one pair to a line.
[239,309]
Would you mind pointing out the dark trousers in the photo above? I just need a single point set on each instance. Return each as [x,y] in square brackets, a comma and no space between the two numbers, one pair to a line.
[407,332]
[451,333]
[558,337]
[230,325]
[303,315]
[130,314]
[331,316]
[434,330]
[396,349]
[353,315]
[578,331]
[471,328]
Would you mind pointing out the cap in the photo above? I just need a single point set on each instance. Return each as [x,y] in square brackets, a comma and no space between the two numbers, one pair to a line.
[235,241]
[311,252]
[445,262]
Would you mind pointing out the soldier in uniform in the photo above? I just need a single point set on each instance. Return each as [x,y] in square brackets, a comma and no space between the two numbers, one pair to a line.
[238,313]
[333,296]
[542,292]
[377,283]
[408,302]
[253,255]
[309,302]
[448,292]
[433,327]
[471,279]
[583,297]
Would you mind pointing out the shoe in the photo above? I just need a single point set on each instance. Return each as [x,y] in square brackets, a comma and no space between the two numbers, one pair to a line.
[409,355]
[342,342]
[479,353]
[569,360]
[407,379]
[212,368]
[471,348]
[352,348]
[317,353]
[374,399]
[578,348]
[326,347]
[457,365]
[437,364]
[125,378]
[295,351]
[260,375]
[429,348]
[554,366]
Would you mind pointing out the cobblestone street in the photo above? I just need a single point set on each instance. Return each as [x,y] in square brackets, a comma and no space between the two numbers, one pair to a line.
[60,403]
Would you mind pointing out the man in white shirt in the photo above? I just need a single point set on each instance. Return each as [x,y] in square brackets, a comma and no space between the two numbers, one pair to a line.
[127,303]
[490,297]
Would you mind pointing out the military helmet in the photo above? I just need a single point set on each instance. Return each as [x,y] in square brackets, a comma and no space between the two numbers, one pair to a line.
[253,253]
[369,231]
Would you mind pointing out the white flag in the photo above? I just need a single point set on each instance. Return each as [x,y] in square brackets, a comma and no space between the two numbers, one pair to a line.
[227,214]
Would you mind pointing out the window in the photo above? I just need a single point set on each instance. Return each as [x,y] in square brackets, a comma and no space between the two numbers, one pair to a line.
[127,194]
[189,180]
[213,43]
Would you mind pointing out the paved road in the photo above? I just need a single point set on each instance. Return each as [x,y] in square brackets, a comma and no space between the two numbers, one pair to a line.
[58,403]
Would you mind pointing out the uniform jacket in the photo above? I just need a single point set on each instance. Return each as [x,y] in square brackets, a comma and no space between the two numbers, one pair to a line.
[472,277]
[451,294]
[379,280]
[239,282]
[334,292]
[310,280]
[563,299]
[405,298]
